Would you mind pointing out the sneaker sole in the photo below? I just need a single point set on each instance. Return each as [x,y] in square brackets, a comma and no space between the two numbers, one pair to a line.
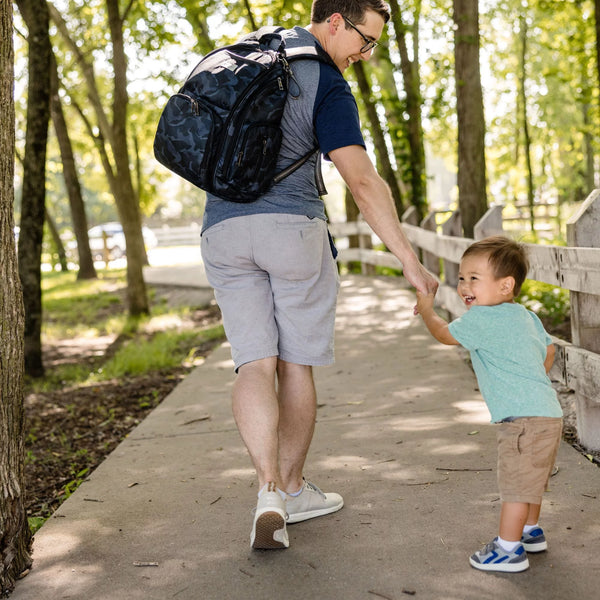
[502,567]
[535,546]
[311,514]
[265,531]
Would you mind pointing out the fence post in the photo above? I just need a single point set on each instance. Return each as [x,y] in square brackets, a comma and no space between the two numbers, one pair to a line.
[583,231]
[453,226]
[365,243]
[490,223]
[430,261]
[411,217]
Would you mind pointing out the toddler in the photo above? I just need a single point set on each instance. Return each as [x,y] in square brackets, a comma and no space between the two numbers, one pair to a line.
[511,355]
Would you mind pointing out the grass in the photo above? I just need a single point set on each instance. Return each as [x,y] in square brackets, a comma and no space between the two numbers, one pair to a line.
[164,350]
[72,309]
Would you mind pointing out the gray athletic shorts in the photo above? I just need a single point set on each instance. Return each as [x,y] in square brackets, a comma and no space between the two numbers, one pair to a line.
[276,282]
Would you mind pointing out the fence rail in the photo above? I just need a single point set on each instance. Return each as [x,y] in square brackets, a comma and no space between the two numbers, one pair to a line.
[178,236]
[575,268]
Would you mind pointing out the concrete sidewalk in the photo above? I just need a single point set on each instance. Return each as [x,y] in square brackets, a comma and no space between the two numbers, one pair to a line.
[402,434]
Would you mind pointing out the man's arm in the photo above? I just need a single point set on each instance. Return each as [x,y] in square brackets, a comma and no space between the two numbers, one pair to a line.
[436,325]
[375,202]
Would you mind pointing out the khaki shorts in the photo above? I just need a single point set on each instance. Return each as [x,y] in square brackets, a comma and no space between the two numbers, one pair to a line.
[276,282]
[527,450]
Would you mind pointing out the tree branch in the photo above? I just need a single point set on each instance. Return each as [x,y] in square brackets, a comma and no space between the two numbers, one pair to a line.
[87,70]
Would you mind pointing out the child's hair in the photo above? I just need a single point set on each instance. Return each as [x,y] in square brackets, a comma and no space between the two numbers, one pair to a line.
[506,257]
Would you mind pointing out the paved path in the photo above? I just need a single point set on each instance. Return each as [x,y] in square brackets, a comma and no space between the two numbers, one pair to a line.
[402,434]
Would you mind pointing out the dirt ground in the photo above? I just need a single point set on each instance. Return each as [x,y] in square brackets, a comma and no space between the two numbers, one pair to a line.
[70,431]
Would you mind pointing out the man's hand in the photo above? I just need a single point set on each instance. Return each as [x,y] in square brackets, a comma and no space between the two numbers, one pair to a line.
[420,278]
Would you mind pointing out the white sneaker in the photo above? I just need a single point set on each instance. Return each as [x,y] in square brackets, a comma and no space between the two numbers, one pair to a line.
[311,503]
[269,530]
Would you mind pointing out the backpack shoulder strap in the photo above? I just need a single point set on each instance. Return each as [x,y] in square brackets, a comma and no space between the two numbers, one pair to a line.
[269,36]
[315,52]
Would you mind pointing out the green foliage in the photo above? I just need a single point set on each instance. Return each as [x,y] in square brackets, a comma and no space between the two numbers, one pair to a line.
[79,308]
[78,479]
[547,301]
[95,308]
[35,523]
[162,351]
[164,40]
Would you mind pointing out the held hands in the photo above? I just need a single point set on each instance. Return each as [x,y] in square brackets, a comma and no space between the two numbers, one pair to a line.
[424,302]
[420,278]
[425,283]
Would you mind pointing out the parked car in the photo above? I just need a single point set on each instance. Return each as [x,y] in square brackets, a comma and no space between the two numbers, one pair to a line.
[115,240]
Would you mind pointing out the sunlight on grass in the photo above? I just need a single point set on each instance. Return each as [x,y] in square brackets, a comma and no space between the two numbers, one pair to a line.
[82,308]
[164,350]
[165,339]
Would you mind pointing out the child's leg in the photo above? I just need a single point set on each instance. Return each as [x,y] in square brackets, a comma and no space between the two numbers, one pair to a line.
[533,516]
[534,539]
[512,520]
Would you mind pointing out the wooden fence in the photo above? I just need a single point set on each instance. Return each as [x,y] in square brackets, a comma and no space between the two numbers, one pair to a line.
[575,267]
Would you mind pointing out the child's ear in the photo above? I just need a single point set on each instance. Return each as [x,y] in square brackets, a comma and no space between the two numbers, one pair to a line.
[507,285]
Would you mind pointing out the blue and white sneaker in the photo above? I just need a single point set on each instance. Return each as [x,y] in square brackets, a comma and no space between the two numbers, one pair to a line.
[535,540]
[493,557]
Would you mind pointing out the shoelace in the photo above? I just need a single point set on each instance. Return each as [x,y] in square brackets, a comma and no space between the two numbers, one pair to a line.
[314,488]
[488,548]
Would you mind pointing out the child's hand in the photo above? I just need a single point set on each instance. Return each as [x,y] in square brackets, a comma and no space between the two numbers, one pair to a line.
[424,302]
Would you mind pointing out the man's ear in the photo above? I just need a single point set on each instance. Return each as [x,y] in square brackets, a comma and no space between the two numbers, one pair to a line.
[507,285]
[334,21]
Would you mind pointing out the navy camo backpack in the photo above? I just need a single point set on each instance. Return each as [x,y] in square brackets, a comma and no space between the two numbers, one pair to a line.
[221,131]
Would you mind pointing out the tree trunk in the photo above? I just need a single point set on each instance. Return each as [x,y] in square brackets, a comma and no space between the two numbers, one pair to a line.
[378,138]
[35,14]
[15,537]
[597,17]
[78,216]
[58,244]
[118,172]
[472,199]
[588,144]
[525,120]
[127,201]
[253,24]
[412,89]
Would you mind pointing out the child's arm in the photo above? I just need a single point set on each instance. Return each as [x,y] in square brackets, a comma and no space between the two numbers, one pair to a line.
[550,352]
[436,325]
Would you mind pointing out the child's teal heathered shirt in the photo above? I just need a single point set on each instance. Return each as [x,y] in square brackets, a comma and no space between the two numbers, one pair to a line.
[508,346]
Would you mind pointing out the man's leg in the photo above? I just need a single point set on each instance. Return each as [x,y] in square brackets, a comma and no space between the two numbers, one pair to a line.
[297,414]
[256,413]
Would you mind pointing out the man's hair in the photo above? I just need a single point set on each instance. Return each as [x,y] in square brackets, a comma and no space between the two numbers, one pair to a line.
[506,257]
[352,9]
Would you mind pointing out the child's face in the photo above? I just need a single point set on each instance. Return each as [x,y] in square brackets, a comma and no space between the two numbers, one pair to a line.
[477,285]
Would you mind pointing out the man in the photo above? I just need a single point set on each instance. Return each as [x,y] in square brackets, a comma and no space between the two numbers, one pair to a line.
[274,275]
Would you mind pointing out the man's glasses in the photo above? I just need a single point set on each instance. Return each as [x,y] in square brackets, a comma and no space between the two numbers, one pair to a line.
[369,43]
